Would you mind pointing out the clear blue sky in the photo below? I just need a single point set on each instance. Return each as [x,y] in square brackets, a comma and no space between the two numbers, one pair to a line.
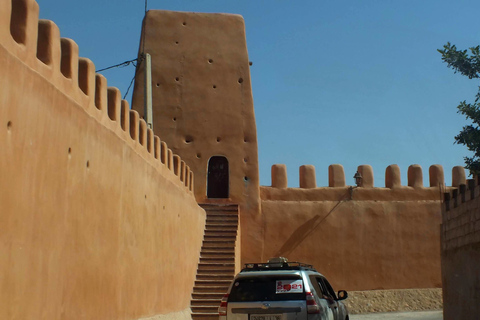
[350,82]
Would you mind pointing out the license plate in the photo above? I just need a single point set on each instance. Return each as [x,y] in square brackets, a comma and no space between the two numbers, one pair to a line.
[265,317]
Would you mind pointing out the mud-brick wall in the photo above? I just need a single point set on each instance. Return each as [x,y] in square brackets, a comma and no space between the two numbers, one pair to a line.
[360,237]
[97,219]
[203,104]
[461,252]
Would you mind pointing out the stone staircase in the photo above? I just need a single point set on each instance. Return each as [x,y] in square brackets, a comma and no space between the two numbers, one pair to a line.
[217,260]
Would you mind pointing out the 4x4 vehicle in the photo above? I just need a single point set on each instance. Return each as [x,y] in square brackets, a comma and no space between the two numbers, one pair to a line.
[282,290]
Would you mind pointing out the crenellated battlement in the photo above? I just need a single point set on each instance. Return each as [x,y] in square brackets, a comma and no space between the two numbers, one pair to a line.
[466,191]
[37,44]
[336,176]
[365,188]
[460,243]
[460,215]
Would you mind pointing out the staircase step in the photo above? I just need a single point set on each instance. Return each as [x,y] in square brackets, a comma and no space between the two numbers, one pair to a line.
[217,214]
[218,251]
[227,230]
[230,272]
[219,243]
[221,289]
[218,254]
[221,233]
[216,234]
[204,309]
[217,260]
[229,220]
[222,226]
[219,207]
[212,283]
[215,277]
[207,296]
[204,316]
[211,237]
[206,302]
[216,266]
[231,228]
[218,248]
[222,220]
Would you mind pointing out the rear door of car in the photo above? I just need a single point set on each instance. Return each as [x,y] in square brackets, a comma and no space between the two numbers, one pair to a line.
[267,297]
[340,308]
[326,301]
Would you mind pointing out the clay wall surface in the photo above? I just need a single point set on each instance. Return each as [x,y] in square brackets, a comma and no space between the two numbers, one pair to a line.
[360,237]
[97,220]
[461,252]
[202,102]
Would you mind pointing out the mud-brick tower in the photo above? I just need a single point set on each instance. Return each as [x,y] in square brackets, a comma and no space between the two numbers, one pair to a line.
[203,107]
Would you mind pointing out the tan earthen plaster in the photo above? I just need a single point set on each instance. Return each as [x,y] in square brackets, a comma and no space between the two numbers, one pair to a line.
[92,220]
[203,105]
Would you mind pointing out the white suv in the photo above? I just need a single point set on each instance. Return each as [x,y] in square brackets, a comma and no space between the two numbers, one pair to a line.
[282,290]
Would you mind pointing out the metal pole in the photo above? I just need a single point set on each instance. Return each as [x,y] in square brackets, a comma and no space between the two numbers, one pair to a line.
[148,91]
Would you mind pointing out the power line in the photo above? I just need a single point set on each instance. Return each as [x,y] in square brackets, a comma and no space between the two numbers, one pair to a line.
[142,55]
[120,65]
[137,66]
[135,62]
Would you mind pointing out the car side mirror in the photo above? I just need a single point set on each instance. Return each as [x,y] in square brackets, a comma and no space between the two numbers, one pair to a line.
[342,295]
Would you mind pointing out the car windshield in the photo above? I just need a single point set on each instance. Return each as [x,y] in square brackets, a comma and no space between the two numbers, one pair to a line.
[267,288]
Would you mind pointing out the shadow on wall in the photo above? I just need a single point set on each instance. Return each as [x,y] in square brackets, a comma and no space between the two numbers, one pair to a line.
[302,232]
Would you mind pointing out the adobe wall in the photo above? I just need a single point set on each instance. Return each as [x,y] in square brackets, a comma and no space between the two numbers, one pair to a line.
[98,221]
[202,103]
[360,237]
[461,252]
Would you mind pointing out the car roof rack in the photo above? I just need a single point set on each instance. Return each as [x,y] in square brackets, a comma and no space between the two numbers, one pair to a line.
[281,265]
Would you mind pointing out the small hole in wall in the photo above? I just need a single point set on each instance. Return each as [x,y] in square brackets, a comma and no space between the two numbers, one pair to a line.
[177,79]
[188,139]
[184,23]
[158,84]
[88,164]
[214,87]
[176,42]
[69,150]
[145,196]
[218,139]
[245,160]
[199,155]
[9,125]
[245,178]
[240,80]
[210,60]
[245,140]
[174,119]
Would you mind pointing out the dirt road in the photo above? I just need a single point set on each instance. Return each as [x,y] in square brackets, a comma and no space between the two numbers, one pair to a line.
[416,315]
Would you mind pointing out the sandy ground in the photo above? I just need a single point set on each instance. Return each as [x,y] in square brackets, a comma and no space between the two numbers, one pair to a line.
[377,301]
[415,315]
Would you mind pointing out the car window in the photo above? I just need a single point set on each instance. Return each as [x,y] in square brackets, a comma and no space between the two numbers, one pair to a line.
[267,288]
[323,287]
[317,286]
[330,289]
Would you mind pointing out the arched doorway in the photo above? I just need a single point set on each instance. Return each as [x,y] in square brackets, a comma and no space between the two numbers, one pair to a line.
[218,177]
